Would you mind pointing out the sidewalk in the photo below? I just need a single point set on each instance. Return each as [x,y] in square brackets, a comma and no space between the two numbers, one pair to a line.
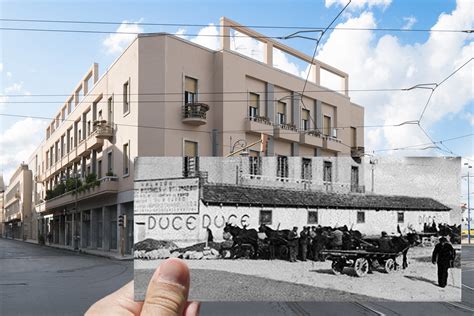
[94,252]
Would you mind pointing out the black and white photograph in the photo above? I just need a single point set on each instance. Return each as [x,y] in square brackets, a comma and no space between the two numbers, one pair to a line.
[301,229]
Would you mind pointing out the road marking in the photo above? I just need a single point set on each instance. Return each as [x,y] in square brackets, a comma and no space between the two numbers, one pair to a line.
[470,288]
[462,306]
[369,308]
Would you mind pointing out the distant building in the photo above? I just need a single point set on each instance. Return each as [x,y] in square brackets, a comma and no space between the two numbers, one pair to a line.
[17,205]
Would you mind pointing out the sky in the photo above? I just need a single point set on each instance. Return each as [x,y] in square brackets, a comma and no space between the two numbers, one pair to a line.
[53,63]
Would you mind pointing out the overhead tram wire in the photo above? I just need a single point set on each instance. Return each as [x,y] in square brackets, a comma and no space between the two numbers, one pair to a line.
[314,56]
[325,90]
[234,27]
[187,130]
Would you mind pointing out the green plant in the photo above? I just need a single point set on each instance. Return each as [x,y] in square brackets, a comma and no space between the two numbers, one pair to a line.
[109,174]
[49,194]
[72,183]
[91,178]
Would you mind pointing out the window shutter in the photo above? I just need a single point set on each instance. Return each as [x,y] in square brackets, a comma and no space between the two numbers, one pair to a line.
[190,149]
[281,107]
[305,115]
[190,85]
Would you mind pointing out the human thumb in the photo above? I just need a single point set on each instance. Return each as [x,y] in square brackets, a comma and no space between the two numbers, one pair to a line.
[168,289]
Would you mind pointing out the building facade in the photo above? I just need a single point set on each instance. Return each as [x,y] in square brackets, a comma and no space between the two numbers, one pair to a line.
[18,205]
[166,96]
[170,205]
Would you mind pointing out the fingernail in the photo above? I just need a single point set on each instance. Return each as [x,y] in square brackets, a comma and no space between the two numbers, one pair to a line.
[172,271]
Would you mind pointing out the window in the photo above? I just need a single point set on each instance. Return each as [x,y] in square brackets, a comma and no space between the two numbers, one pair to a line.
[100,115]
[400,217]
[305,120]
[255,163]
[360,217]
[312,217]
[354,179]
[69,106]
[190,90]
[126,162]
[282,167]
[63,114]
[281,113]
[110,167]
[265,217]
[254,105]
[306,173]
[110,108]
[99,169]
[327,125]
[88,172]
[353,137]
[88,128]
[63,145]
[327,171]
[126,97]
[190,161]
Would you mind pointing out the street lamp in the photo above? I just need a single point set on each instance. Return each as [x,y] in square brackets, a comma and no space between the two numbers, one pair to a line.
[468,204]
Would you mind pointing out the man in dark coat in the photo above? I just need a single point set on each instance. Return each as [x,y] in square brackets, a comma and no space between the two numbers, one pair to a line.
[319,242]
[443,255]
[385,243]
[293,243]
[304,237]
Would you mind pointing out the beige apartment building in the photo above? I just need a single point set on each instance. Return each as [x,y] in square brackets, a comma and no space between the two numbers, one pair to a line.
[167,96]
[17,205]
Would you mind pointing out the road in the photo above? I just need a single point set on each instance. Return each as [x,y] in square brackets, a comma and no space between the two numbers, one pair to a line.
[37,280]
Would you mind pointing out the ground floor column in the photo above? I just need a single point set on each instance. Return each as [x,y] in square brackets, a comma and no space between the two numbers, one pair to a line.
[106,227]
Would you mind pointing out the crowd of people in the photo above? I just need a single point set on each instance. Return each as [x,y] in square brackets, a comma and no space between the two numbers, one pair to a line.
[309,243]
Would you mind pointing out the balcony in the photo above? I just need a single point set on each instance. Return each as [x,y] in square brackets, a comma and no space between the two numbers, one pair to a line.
[107,185]
[195,113]
[311,138]
[333,144]
[259,125]
[103,129]
[287,132]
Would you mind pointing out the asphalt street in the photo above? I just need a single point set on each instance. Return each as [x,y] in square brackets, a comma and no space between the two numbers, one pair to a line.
[37,280]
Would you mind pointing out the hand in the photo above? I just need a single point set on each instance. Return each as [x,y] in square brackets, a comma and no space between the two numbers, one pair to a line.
[167,295]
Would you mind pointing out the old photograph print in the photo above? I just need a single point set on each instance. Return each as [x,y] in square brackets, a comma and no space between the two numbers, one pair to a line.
[301,229]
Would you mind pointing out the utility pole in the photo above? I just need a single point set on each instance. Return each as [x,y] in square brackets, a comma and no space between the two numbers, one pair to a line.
[468,204]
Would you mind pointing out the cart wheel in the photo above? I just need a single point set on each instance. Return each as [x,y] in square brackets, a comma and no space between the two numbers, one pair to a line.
[283,252]
[389,265]
[361,266]
[337,267]
[227,254]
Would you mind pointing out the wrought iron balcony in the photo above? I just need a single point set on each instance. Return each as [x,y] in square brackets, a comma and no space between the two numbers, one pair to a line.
[195,113]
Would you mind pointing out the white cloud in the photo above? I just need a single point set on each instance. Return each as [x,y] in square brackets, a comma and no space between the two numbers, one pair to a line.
[1,67]
[116,43]
[15,87]
[9,75]
[359,4]
[18,142]
[385,62]
[181,33]
[470,118]
[409,22]
[208,37]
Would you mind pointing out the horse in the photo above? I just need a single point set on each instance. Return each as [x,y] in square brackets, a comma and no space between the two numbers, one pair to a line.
[403,243]
[242,236]
[277,238]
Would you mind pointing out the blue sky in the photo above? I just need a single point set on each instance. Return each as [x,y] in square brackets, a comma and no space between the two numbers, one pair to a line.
[42,63]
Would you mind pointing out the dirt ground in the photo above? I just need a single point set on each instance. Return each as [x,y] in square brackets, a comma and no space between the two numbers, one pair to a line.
[417,283]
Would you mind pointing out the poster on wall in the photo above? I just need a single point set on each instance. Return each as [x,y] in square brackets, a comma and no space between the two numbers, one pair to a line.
[343,230]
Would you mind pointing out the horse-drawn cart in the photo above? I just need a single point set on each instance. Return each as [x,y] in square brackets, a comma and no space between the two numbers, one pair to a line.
[362,261]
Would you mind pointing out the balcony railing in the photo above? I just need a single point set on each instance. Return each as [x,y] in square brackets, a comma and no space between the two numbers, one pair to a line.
[103,129]
[195,113]
[259,125]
